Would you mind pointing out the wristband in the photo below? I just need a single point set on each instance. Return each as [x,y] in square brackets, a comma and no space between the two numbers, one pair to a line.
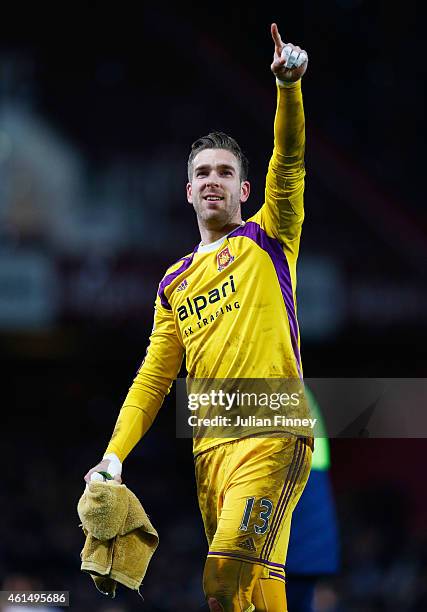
[114,466]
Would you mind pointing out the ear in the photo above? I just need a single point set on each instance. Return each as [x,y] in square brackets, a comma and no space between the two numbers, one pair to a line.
[245,189]
[189,193]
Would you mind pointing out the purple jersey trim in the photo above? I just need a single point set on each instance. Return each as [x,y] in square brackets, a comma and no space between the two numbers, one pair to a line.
[285,495]
[277,576]
[169,278]
[253,559]
[290,492]
[273,247]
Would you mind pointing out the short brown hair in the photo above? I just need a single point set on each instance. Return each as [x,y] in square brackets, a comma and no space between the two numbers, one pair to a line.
[218,140]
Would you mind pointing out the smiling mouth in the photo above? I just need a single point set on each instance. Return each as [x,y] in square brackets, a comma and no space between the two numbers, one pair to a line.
[213,198]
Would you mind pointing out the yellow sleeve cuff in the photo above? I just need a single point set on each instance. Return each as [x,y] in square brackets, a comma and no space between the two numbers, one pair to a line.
[287,84]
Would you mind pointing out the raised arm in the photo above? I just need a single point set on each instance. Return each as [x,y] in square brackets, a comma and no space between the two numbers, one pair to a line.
[283,212]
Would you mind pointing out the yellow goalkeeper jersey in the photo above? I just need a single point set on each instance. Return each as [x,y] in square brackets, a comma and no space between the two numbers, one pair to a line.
[230,306]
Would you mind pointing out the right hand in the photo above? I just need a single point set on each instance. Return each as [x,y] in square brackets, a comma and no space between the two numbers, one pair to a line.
[289,61]
[111,465]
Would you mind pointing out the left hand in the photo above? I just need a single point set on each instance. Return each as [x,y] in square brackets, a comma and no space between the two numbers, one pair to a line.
[289,61]
[111,464]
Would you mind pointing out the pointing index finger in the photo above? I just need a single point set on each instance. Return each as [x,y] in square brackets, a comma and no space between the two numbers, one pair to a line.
[277,39]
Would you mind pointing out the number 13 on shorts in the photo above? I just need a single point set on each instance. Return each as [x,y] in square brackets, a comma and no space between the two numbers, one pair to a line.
[261,523]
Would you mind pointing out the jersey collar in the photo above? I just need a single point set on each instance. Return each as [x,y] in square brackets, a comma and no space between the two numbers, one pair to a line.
[213,246]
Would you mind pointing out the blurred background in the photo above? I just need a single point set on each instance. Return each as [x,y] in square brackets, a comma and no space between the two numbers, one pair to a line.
[99,106]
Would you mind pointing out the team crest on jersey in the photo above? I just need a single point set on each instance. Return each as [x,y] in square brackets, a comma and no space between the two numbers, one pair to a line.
[183,285]
[224,258]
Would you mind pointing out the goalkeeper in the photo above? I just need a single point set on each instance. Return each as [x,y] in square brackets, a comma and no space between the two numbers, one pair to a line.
[230,308]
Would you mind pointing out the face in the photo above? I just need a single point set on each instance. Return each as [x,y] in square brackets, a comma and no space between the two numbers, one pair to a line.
[216,191]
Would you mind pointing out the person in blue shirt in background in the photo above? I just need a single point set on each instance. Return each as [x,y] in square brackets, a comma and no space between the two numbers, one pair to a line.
[313,550]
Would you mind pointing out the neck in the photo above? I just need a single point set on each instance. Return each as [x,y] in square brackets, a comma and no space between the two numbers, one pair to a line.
[211,235]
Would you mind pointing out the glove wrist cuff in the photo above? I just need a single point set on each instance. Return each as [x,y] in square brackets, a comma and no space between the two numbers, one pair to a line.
[115,465]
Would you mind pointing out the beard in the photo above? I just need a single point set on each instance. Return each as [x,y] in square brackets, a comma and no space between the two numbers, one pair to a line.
[216,215]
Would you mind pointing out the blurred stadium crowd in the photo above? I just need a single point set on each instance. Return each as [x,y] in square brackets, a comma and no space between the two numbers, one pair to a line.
[96,119]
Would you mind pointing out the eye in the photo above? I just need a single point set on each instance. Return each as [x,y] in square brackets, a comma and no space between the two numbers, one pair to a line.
[227,172]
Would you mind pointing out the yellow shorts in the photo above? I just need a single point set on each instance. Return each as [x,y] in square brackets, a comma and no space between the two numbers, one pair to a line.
[247,491]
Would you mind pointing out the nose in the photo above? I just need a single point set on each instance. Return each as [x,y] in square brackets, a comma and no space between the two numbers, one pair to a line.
[212,182]
[212,179]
